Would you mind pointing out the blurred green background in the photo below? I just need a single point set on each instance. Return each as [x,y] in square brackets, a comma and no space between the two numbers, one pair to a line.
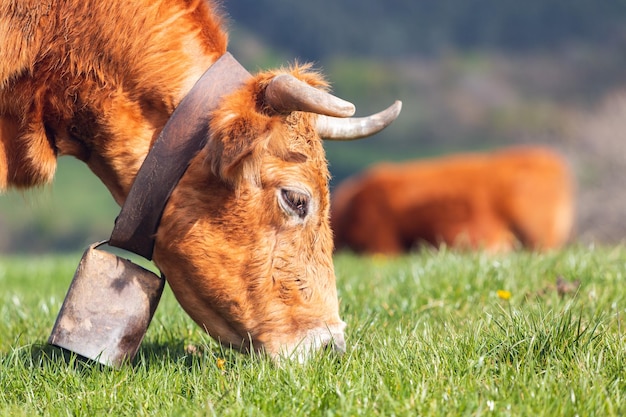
[473,75]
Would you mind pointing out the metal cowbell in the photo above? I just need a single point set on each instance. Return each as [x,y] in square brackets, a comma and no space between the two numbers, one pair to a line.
[108,308]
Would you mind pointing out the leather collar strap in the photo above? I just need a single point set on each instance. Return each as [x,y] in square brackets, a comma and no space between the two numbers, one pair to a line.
[184,135]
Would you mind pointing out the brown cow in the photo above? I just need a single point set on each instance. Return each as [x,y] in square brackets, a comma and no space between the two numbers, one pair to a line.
[493,201]
[244,239]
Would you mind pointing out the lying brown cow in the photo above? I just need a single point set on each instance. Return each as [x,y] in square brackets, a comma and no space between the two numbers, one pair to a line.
[493,201]
[244,239]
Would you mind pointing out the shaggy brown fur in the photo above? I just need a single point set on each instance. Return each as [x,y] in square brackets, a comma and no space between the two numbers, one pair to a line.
[492,201]
[99,79]
[75,73]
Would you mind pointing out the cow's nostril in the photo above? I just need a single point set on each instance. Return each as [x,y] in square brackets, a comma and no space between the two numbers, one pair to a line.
[337,344]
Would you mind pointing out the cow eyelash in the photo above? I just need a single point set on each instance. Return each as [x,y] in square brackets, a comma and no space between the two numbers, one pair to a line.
[296,202]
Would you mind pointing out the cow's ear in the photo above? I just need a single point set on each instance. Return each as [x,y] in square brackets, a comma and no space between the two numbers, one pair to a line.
[240,131]
[235,152]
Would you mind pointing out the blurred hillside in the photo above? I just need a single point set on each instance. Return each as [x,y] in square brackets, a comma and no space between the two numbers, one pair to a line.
[472,75]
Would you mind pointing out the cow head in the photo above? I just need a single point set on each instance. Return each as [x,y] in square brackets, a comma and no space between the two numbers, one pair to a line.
[245,241]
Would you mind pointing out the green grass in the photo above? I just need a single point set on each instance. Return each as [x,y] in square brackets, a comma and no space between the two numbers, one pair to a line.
[428,335]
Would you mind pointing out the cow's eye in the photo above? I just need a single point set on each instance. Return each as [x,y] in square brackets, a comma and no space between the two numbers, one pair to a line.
[294,202]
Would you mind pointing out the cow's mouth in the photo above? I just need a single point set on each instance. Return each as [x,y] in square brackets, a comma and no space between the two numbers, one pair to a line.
[327,338]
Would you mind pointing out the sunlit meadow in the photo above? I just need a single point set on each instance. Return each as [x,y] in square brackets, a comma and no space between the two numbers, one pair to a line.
[432,333]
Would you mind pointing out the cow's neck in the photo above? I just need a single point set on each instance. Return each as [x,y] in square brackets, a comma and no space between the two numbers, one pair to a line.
[132,104]
[185,133]
[116,146]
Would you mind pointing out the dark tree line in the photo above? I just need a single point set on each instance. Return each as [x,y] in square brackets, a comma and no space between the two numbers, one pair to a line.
[316,29]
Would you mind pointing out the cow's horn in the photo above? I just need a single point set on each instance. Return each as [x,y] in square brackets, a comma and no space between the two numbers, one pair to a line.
[285,93]
[333,128]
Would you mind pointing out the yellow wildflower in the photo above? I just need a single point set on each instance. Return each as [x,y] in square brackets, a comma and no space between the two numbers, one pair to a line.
[503,294]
